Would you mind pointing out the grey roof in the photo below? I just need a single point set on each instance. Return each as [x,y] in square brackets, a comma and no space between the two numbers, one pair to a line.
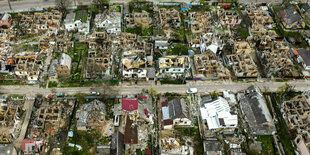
[177,108]
[256,113]
[151,72]
[305,55]
[52,70]
[212,147]
[117,143]
[70,18]
[304,7]
[290,15]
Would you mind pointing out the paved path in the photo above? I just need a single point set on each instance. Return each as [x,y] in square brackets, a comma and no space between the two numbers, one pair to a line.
[28,106]
[203,86]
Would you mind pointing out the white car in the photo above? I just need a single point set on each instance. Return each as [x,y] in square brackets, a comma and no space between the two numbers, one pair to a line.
[191,90]
[95,93]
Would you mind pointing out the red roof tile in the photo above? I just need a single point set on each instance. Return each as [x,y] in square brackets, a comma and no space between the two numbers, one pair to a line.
[129,104]
[26,141]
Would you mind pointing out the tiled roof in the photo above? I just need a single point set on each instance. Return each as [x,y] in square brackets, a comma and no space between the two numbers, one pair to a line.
[130,104]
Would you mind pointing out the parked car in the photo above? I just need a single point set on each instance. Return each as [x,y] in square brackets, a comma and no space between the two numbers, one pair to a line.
[60,95]
[116,120]
[191,90]
[95,93]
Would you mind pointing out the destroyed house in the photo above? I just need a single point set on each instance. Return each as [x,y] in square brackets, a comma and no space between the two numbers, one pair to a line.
[6,20]
[200,22]
[11,113]
[278,60]
[229,17]
[41,21]
[28,67]
[169,18]
[255,111]
[242,62]
[91,115]
[297,114]
[98,65]
[173,66]
[175,113]
[137,19]
[134,67]
[208,65]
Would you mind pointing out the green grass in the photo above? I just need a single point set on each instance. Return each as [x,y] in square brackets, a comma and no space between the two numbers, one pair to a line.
[11,82]
[81,14]
[52,84]
[282,129]
[200,8]
[137,7]
[243,33]
[168,81]
[86,139]
[282,80]
[178,49]
[78,53]
[267,144]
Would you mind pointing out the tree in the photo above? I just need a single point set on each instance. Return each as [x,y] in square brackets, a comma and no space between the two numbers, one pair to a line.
[153,92]
[10,4]
[62,5]
[285,89]
[100,3]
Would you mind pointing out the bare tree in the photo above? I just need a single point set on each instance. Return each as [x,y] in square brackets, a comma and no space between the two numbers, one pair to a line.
[10,4]
[100,3]
[62,5]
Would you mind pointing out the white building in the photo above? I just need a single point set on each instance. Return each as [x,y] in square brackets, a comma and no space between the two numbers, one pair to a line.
[71,24]
[217,114]
[111,22]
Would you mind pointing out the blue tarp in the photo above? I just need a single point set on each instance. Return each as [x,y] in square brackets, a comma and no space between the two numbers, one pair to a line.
[183,9]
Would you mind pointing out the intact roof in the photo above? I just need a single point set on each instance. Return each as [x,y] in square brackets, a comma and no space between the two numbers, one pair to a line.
[65,60]
[129,104]
[177,108]
[131,132]
[305,7]
[305,55]
[70,18]
[151,72]
[256,112]
[117,143]
[168,122]
[290,15]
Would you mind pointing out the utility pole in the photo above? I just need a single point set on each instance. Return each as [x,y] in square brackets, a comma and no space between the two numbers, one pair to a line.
[10,4]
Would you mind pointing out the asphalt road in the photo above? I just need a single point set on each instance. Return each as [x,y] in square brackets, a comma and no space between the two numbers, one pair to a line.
[203,86]
[27,4]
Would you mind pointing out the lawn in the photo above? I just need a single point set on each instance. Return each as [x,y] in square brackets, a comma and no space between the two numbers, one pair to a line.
[141,31]
[267,144]
[178,49]
[86,139]
[81,14]
[281,126]
[78,54]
